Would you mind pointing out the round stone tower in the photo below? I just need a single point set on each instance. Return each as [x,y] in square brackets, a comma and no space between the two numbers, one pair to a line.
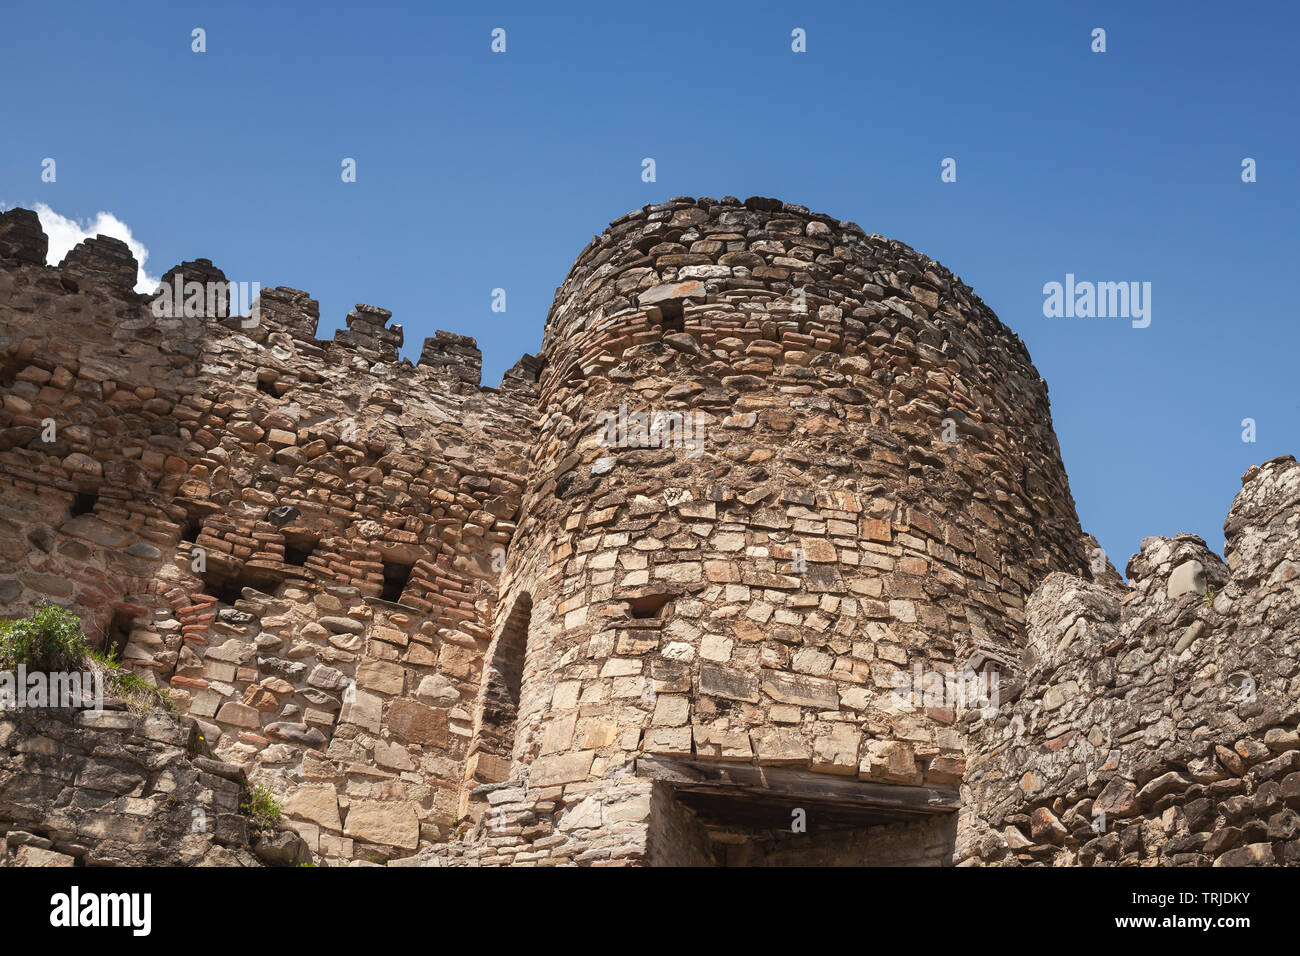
[783,469]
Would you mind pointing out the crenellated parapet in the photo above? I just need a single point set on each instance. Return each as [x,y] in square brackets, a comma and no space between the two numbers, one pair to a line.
[109,266]
[296,539]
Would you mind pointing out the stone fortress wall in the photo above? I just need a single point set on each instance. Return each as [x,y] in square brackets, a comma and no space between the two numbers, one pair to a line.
[346,506]
[455,625]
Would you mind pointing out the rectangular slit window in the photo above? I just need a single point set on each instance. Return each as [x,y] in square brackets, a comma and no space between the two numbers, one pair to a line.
[395,578]
[296,556]
[228,590]
[649,606]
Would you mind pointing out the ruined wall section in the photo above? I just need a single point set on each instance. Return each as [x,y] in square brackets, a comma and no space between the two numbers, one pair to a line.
[348,509]
[1158,725]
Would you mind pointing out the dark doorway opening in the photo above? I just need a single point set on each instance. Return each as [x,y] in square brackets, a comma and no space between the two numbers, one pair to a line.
[712,813]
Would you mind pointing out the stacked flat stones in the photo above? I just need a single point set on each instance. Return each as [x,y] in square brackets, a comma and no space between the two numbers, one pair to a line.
[1158,725]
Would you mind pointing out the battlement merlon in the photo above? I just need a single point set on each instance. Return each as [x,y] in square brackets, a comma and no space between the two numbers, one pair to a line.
[368,329]
[215,294]
[523,375]
[456,355]
[22,238]
[291,310]
[103,258]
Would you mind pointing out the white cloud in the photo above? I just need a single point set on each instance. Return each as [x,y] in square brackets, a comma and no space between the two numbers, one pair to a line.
[64,233]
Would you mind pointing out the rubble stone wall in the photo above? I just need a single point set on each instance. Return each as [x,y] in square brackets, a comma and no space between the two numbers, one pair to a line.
[1157,725]
[294,537]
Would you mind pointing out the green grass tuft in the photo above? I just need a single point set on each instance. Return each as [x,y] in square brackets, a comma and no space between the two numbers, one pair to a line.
[48,639]
[259,803]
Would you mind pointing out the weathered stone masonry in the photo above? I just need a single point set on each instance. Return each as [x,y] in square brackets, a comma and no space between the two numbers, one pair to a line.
[457,625]
[756,603]
[343,509]
[1157,724]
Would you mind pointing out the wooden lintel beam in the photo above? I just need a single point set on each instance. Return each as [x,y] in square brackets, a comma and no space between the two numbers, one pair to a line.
[781,782]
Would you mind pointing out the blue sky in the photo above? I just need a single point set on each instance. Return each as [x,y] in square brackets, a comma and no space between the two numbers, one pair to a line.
[478,170]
